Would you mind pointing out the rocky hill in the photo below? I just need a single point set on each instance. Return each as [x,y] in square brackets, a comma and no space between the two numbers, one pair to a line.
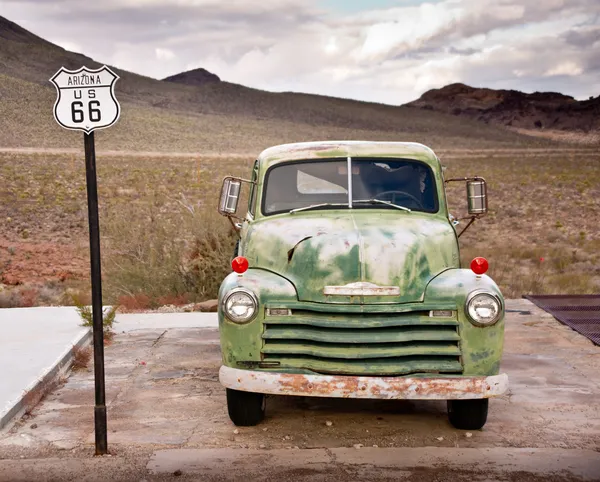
[539,110]
[194,77]
[196,111]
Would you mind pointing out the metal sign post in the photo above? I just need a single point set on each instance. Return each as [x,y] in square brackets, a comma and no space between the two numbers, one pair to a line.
[86,101]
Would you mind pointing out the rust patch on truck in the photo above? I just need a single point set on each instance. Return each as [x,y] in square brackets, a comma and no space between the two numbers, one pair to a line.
[386,387]
[417,388]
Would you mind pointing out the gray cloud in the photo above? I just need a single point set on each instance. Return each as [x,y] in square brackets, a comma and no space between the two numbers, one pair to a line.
[386,55]
[484,17]
[463,51]
[584,37]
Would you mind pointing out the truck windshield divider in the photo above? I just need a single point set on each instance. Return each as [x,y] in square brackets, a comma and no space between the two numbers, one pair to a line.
[349,182]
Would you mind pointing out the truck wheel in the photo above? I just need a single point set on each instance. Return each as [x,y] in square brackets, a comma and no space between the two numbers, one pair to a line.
[468,414]
[246,409]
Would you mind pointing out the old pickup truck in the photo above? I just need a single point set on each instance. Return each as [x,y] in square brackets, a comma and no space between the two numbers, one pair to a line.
[347,282]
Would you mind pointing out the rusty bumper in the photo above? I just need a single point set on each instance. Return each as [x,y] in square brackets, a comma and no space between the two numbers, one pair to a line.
[433,388]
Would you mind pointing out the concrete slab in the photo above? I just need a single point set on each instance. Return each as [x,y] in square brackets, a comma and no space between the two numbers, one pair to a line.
[163,393]
[36,345]
[493,462]
[426,464]
[127,322]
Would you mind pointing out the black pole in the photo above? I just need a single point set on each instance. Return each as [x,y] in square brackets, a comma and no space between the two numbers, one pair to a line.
[98,329]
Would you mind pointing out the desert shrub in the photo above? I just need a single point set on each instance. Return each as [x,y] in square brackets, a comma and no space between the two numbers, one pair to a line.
[520,269]
[207,261]
[136,302]
[165,255]
[176,300]
[81,357]
[29,297]
[31,398]
[86,314]
[19,297]
[10,298]
[51,293]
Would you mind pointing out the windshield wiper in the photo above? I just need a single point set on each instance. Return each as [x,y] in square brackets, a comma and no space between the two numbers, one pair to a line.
[380,201]
[364,201]
[316,206]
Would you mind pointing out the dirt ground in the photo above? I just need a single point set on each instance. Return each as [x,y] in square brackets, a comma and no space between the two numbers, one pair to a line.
[31,262]
[167,413]
[149,199]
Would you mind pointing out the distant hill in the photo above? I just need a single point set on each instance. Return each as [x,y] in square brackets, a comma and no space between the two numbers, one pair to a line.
[196,111]
[13,32]
[540,110]
[194,77]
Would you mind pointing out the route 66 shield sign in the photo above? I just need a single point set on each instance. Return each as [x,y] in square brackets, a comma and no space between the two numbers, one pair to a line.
[86,98]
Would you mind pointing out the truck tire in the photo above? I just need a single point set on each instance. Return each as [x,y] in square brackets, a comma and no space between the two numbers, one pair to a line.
[468,414]
[246,409]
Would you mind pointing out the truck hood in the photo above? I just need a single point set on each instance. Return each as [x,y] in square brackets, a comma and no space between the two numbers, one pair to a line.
[359,256]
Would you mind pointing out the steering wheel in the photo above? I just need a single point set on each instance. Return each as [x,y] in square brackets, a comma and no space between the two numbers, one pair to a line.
[393,195]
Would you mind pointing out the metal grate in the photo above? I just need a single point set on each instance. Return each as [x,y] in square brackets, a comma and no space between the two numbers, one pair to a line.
[363,343]
[579,312]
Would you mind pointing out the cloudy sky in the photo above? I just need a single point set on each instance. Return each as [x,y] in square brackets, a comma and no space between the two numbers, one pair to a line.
[387,51]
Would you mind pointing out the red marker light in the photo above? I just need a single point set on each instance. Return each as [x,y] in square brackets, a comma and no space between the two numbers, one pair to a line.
[479,265]
[239,264]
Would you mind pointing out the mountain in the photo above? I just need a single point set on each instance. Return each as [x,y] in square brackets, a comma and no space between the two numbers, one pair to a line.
[540,110]
[13,32]
[197,112]
[194,77]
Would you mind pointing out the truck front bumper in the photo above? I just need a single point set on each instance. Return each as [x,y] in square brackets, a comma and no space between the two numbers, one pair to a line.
[337,386]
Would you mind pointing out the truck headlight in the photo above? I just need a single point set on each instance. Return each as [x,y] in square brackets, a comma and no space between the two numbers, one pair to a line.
[482,308]
[240,305]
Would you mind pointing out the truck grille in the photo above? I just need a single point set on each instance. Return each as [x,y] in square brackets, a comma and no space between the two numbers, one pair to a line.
[363,343]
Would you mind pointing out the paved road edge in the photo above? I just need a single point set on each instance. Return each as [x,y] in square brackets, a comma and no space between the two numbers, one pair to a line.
[43,383]
[542,462]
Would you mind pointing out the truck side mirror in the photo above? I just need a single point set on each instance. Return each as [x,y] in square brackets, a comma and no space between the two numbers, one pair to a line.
[230,196]
[477,196]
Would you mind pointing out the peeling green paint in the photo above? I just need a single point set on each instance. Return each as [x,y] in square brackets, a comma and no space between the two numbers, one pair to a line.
[293,258]
[388,248]
[481,347]
[381,366]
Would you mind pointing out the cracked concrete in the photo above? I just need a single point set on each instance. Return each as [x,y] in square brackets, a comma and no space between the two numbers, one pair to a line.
[163,394]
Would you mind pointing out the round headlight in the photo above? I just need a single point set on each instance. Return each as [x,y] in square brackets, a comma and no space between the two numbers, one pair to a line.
[483,309]
[240,305]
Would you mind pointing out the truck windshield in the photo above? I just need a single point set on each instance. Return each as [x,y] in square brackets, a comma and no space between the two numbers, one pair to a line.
[323,184]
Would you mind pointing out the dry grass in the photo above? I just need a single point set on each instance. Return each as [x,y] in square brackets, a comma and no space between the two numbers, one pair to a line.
[163,240]
[49,292]
[81,357]
[166,117]
[541,235]
[34,396]
[218,117]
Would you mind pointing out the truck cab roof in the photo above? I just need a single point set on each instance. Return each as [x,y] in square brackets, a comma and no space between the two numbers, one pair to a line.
[342,149]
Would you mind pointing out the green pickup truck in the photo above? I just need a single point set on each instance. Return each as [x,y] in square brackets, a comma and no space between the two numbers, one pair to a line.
[347,283]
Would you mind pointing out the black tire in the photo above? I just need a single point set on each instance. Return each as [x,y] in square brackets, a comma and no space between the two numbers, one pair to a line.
[246,409]
[468,414]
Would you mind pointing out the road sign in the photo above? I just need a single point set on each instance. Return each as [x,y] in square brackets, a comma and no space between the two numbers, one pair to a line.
[86,98]
[86,101]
